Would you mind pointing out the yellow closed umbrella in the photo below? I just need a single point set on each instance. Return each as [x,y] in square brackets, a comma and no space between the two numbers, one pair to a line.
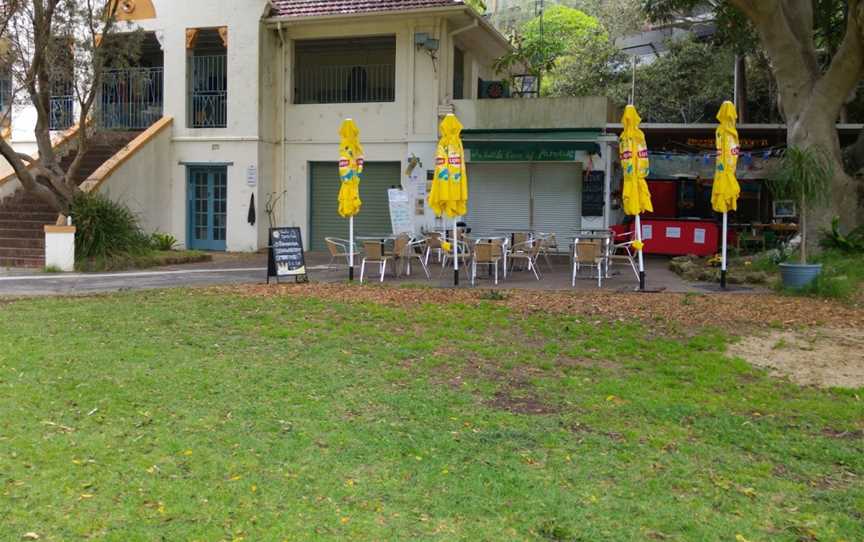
[449,195]
[633,151]
[350,172]
[725,192]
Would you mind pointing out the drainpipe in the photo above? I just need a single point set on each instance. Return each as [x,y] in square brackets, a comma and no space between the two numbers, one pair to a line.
[282,98]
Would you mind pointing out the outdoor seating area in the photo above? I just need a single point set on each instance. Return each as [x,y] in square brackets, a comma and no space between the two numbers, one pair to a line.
[593,258]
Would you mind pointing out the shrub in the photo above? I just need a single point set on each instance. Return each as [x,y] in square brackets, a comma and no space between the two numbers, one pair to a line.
[106,228]
[853,242]
[163,241]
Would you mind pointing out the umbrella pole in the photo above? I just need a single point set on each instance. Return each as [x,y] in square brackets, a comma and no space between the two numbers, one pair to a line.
[350,249]
[723,256]
[641,257]
[455,252]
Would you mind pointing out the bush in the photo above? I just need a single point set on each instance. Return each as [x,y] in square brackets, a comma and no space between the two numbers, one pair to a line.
[163,241]
[106,228]
[852,243]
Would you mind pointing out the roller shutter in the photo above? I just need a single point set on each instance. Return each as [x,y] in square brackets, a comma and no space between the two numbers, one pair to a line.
[374,217]
[498,197]
[557,199]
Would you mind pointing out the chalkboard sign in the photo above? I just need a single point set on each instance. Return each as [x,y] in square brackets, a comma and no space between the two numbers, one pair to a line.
[593,196]
[400,211]
[286,254]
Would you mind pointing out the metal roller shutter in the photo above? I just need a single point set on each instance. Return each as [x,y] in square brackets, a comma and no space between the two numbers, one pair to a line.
[498,197]
[374,217]
[558,199]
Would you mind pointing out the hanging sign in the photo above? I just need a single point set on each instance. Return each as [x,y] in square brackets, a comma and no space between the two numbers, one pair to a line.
[286,255]
[252,176]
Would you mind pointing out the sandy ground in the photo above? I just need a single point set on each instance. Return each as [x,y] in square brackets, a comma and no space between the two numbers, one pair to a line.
[819,356]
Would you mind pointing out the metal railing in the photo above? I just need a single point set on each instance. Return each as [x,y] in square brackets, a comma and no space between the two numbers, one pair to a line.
[131,99]
[345,84]
[208,92]
[62,112]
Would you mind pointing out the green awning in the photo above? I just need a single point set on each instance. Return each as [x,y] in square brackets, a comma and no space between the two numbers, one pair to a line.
[529,145]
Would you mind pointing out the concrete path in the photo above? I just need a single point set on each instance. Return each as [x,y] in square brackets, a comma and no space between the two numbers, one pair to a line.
[251,269]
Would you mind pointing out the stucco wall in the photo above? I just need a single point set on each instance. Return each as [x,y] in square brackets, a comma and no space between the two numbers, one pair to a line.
[146,198]
[533,113]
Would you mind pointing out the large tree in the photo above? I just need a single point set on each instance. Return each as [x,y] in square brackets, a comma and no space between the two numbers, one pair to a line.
[59,42]
[816,52]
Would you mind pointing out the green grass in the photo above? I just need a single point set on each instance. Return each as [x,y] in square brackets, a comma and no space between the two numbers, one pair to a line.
[181,415]
[143,260]
[842,276]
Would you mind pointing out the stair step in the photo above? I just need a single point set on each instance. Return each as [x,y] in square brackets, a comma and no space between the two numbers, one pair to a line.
[33,243]
[13,233]
[45,218]
[28,225]
[21,253]
[29,263]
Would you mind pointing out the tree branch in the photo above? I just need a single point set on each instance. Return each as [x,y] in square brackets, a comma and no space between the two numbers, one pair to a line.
[843,75]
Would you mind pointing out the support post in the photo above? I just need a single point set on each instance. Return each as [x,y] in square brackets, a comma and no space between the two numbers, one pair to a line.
[723,254]
[351,249]
[641,256]
[455,252]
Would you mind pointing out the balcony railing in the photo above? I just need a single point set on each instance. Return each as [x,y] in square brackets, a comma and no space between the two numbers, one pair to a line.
[61,114]
[131,99]
[208,96]
[345,84]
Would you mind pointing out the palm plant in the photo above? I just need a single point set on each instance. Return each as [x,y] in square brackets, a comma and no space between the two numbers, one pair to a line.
[804,175]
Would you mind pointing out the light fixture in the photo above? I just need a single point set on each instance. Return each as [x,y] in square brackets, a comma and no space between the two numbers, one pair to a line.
[420,39]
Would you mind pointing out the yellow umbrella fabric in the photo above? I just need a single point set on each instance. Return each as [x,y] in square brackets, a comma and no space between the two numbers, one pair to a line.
[634,162]
[350,169]
[725,192]
[449,193]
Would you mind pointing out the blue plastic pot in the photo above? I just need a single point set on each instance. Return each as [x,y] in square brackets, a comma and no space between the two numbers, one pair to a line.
[798,275]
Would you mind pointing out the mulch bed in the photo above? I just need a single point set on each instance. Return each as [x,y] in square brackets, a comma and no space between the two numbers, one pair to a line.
[729,312]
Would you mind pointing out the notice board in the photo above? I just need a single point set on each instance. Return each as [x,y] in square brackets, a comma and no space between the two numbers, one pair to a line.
[401,211]
[286,254]
[593,196]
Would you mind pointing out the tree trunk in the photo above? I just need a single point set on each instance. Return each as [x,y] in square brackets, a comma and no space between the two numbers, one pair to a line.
[741,89]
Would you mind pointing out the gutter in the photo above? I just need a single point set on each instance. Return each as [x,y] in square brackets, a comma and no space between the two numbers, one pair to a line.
[283,97]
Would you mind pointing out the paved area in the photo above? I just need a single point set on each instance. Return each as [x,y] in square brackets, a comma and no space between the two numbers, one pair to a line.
[241,269]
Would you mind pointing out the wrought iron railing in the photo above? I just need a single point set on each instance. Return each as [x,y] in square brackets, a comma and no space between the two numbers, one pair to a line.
[131,99]
[62,111]
[345,84]
[208,96]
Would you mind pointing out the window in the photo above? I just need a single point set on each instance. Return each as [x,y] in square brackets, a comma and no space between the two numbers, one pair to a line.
[208,78]
[356,70]
[61,113]
[458,74]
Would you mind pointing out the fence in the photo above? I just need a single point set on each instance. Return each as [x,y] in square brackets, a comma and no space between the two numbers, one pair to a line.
[131,99]
[208,96]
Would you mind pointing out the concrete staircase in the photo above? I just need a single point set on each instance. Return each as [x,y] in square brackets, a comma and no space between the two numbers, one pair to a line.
[22,216]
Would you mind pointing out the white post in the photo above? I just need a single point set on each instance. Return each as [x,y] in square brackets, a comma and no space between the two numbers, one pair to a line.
[60,247]
[351,248]
[455,252]
[723,255]
[641,257]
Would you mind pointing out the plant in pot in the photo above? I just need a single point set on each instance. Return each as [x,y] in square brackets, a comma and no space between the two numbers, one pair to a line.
[804,176]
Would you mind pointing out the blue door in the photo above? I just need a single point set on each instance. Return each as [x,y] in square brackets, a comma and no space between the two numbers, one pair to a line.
[207,195]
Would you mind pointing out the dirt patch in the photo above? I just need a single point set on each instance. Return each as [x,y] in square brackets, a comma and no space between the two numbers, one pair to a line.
[732,312]
[525,403]
[821,356]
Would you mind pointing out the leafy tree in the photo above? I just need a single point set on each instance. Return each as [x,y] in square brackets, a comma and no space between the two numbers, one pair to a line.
[818,63]
[478,5]
[51,42]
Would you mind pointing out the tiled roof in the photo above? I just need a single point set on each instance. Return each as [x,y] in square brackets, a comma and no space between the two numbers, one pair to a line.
[311,8]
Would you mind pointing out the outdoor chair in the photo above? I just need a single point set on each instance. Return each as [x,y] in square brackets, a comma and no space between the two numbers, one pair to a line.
[548,245]
[415,250]
[621,253]
[399,245]
[463,252]
[527,251]
[487,253]
[338,249]
[433,244]
[373,252]
[588,254]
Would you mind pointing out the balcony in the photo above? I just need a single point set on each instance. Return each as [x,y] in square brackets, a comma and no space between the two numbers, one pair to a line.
[62,111]
[208,93]
[346,84]
[131,99]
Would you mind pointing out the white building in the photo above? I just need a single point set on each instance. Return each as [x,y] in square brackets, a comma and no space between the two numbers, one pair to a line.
[243,99]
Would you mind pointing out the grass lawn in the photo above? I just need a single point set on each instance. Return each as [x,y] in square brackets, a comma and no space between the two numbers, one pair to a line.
[150,258]
[190,415]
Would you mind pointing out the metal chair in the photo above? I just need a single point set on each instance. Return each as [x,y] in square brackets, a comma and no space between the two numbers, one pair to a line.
[415,250]
[527,251]
[463,252]
[338,248]
[433,243]
[588,253]
[487,253]
[373,252]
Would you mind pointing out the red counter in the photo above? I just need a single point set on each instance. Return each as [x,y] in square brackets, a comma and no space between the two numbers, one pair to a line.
[680,237]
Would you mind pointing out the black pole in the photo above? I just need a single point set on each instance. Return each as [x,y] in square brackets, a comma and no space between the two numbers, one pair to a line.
[723,279]
[350,273]
[455,277]
[642,281]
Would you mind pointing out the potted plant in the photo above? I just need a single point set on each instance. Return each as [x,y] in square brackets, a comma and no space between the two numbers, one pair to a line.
[804,176]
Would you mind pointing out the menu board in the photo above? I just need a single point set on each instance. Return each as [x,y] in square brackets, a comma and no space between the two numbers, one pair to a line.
[286,254]
[401,211]
[593,197]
